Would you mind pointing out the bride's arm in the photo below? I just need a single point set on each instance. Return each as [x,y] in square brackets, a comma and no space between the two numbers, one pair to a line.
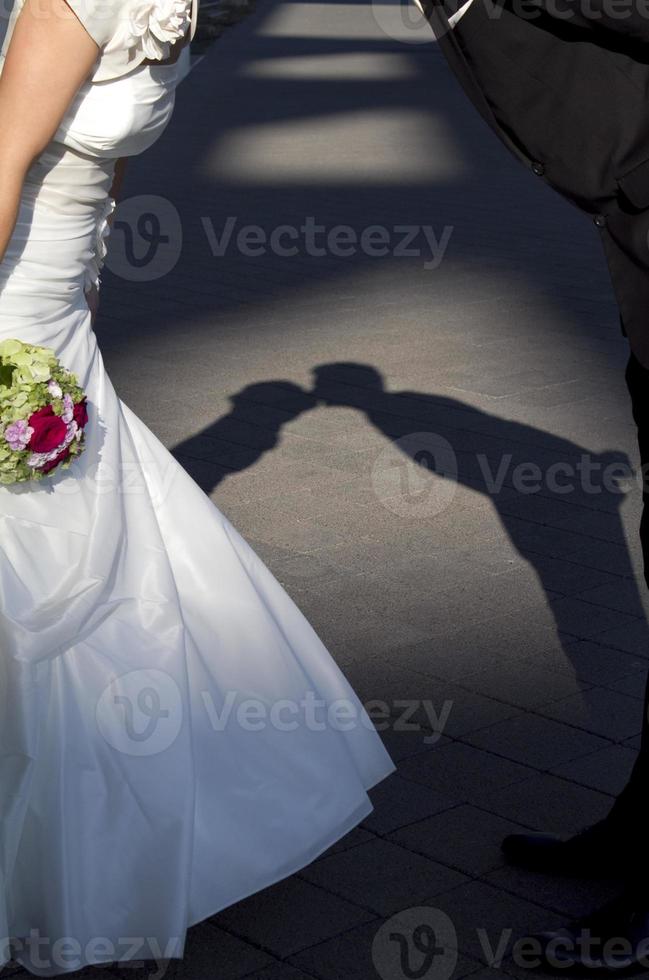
[50,55]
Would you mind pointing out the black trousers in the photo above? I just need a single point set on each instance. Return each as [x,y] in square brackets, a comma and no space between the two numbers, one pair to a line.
[632,806]
[637,379]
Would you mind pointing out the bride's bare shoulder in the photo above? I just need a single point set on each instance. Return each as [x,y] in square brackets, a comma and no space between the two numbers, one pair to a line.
[46,59]
[47,54]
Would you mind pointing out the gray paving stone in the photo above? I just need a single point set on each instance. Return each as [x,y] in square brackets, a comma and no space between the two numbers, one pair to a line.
[535,741]
[283,530]
[600,711]
[569,897]
[206,944]
[399,802]
[461,650]
[379,679]
[525,684]
[604,527]
[420,703]
[606,770]
[405,745]
[526,965]
[100,972]
[587,621]
[350,957]
[491,973]
[488,920]
[281,971]
[550,804]
[362,635]
[465,838]
[623,596]
[632,638]
[633,685]
[463,773]
[634,742]
[303,573]
[562,543]
[359,835]
[290,916]
[593,663]
[594,554]
[472,712]
[383,876]
[590,584]
[545,510]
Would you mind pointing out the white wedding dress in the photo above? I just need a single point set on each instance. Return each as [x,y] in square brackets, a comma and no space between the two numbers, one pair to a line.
[164,745]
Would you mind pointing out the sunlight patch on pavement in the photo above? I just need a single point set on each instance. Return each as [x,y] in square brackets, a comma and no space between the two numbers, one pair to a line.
[334,67]
[381,146]
[348,22]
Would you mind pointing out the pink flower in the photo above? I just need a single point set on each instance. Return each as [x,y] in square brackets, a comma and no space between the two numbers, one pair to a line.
[68,409]
[49,430]
[46,461]
[18,434]
[61,458]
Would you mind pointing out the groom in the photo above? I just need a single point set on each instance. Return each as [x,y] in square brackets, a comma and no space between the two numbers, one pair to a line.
[565,85]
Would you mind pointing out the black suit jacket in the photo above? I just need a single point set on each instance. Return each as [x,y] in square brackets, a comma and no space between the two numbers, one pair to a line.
[569,95]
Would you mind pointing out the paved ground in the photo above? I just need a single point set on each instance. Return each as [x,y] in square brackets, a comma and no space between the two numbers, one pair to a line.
[317,397]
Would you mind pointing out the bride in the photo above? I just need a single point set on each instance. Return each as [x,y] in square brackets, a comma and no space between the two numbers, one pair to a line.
[173,735]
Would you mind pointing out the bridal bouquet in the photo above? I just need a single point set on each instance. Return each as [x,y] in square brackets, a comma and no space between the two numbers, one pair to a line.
[42,413]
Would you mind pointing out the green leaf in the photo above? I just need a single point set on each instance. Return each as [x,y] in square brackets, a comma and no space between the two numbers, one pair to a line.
[6,375]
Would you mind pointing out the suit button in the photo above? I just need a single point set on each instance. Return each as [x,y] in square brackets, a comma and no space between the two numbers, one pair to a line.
[538,169]
[600,220]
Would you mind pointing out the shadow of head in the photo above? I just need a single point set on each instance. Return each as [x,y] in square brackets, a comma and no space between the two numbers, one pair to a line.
[281,396]
[343,382]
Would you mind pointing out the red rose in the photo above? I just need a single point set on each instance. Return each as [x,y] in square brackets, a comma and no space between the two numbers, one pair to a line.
[81,413]
[49,430]
[54,462]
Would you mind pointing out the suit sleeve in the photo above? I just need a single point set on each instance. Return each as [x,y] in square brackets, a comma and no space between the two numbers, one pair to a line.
[616,22]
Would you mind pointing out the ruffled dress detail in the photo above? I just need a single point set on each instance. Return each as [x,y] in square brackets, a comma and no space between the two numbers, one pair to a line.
[150,27]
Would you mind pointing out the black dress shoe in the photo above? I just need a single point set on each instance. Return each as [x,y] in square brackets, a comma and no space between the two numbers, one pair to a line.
[614,939]
[596,852]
